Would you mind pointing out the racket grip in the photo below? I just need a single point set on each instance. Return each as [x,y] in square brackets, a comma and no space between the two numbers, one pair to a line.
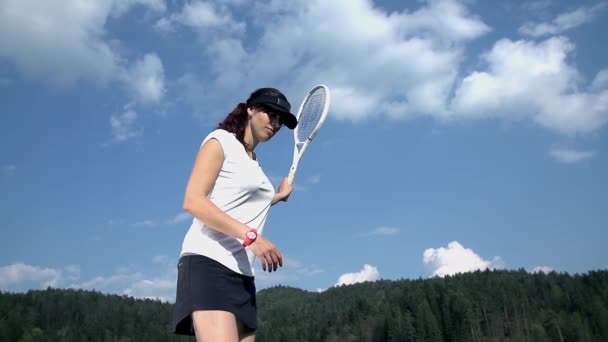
[291,175]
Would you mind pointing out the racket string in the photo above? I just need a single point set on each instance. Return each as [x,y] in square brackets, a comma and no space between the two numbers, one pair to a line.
[311,114]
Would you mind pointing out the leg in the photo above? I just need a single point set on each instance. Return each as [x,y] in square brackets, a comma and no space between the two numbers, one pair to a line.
[245,335]
[215,326]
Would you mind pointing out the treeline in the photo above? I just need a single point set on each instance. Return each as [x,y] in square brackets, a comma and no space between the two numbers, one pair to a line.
[79,315]
[478,306]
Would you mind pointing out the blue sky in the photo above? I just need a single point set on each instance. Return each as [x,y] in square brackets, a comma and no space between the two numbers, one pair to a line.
[462,135]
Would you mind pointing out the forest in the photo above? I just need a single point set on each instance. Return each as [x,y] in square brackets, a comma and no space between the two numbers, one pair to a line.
[498,305]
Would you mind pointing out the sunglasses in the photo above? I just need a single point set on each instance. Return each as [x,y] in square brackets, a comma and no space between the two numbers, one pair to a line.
[275,118]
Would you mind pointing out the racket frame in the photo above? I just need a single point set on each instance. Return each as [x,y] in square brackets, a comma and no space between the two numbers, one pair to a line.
[300,146]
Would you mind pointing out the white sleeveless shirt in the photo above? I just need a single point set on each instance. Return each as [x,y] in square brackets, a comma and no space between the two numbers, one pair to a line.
[242,191]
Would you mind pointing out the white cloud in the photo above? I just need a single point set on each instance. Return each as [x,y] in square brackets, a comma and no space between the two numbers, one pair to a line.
[293,270]
[382,231]
[300,268]
[562,22]
[316,179]
[29,29]
[181,217]
[161,260]
[201,15]
[456,259]
[72,272]
[164,25]
[542,269]
[149,223]
[300,183]
[570,155]
[122,6]
[156,288]
[534,6]
[123,126]
[367,273]
[600,81]
[20,276]
[235,2]
[116,221]
[146,79]
[408,65]
[406,61]
[528,80]
[101,283]
[43,45]
[455,23]
[160,285]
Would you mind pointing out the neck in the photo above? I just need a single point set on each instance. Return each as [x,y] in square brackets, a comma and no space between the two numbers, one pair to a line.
[249,139]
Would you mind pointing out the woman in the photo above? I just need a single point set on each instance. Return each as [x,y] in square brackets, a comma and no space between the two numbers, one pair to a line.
[229,195]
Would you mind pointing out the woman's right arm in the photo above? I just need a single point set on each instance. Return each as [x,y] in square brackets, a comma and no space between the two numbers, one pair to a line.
[205,171]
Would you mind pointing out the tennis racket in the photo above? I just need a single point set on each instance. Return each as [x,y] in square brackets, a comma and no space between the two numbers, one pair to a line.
[311,116]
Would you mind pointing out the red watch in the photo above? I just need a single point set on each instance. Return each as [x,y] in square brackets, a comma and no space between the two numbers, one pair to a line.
[250,236]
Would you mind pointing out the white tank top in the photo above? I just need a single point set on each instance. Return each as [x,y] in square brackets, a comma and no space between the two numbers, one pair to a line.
[242,191]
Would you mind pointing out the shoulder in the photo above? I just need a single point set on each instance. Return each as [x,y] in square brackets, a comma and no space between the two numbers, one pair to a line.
[220,135]
[225,139]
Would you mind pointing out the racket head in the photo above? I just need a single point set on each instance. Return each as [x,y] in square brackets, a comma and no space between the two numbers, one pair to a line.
[312,113]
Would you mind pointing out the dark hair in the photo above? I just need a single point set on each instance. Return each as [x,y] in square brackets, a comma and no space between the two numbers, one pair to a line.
[235,122]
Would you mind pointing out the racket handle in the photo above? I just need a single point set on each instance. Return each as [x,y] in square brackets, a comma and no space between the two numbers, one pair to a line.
[291,175]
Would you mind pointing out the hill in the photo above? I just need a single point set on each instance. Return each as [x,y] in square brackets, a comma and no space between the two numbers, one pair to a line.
[477,306]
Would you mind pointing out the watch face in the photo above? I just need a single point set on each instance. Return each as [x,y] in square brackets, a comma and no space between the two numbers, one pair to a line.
[251,235]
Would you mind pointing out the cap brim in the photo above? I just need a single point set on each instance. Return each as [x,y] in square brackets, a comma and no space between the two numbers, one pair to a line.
[288,119]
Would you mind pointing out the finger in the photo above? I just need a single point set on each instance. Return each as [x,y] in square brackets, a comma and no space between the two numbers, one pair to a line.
[263,262]
[280,258]
[269,262]
[275,261]
[275,258]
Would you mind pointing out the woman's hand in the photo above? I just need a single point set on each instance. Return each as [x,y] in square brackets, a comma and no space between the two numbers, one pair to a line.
[285,190]
[267,252]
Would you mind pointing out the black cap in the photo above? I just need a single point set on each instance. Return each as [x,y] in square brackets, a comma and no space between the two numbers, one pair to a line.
[278,103]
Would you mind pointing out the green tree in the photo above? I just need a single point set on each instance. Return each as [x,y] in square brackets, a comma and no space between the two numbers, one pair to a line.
[427,327]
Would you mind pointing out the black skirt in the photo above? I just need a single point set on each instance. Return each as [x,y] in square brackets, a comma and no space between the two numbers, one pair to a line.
[205,284]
